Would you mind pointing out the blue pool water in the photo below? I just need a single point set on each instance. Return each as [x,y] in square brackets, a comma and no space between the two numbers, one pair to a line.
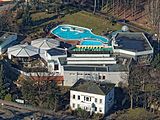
[69,32]
[91,42]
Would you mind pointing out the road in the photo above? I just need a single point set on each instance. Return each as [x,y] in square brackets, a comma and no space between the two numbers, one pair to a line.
[16,111]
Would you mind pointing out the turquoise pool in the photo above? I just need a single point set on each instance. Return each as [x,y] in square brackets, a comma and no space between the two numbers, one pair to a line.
[91,42]
[71,32]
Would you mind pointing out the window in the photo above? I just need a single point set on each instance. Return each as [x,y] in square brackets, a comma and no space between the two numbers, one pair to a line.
[73,105]
[87,98]
[95,99]
[78,97]
[100,109]
[104,77]
[95,108]
[72,73]
[99,77]
[78,106]
[73,96]
[56,67]
[100,101]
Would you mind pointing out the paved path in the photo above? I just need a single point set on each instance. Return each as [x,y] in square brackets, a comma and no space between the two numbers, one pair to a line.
[25,110]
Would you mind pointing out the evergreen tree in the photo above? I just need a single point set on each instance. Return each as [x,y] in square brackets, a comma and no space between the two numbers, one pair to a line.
[156,61]
[2,88]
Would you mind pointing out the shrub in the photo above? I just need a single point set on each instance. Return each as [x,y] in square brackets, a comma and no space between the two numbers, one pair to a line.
[82,113]
[8,97]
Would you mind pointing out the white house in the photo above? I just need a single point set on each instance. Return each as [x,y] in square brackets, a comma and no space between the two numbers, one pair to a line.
[97,97]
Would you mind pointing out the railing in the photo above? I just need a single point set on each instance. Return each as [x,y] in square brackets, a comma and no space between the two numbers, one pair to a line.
[89,52]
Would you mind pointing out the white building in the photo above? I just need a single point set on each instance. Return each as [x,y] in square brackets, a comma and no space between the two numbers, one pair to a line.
[116,73]
[97,97]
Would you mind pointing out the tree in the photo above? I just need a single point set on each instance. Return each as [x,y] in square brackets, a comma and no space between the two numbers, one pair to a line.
[40,93]
[26,18]
[2,88]
[156,61]
[138,78]
[152,10]
[95,5]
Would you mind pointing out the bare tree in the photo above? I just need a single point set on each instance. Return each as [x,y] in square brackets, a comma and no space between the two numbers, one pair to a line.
[153,11]
[95,5]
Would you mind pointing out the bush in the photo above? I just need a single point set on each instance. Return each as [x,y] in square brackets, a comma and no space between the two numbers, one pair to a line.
[82,113]
[8,97]
[97,116]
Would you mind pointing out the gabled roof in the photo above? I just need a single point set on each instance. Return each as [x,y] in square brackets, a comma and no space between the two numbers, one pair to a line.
[88,86]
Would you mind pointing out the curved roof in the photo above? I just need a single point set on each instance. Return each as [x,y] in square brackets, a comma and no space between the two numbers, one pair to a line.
[22,50]
[45,43]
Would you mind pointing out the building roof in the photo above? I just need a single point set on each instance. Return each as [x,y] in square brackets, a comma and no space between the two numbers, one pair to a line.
[91,68]
[23,50]
[4,36]
[135,42]
[45,43]
[56,51]
[101,88]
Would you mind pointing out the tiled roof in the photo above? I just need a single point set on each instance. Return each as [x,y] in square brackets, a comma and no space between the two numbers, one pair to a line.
[101,88]
[55,78]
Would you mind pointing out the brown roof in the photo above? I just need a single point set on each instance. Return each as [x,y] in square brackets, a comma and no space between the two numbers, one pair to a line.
[55,78]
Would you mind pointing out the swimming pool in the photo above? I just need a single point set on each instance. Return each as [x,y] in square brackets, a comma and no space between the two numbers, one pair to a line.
[91,42]
[71,32]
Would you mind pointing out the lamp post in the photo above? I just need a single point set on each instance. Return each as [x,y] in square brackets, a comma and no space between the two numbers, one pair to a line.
[157,40]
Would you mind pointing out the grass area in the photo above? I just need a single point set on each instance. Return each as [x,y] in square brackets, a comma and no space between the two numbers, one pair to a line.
[41,15]
[82,18]
[85,19]
[136,114]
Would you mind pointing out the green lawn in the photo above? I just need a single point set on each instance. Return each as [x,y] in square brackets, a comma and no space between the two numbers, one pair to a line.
[82,18]
[41,15]
[136,114]
[85,19]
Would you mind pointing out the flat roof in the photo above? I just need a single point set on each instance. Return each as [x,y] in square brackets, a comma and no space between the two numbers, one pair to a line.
[3,36]
[108,68]
[56,52]
[135,42]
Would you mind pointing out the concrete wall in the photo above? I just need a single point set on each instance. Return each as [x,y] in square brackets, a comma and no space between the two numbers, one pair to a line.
[71,77]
